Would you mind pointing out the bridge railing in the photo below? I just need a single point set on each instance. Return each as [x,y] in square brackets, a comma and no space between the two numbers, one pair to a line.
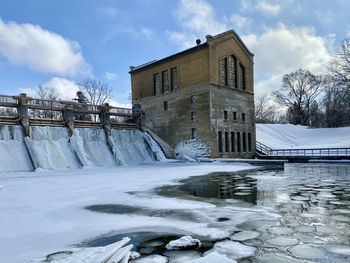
[312,152]
[307,152]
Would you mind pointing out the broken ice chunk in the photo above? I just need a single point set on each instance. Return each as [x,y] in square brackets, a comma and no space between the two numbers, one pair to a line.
[183,242]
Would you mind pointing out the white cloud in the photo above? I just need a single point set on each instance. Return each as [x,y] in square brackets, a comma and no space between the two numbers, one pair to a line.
[268,8]
[283,49]
[239,21]
[197,19]
[111,76]
[40,49]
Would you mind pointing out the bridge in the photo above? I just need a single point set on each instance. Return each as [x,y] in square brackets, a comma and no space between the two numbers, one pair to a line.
[27,111]
[265,152]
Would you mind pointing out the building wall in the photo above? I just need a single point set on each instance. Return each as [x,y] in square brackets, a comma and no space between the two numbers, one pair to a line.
[225,99]
[192,69]
[175,125]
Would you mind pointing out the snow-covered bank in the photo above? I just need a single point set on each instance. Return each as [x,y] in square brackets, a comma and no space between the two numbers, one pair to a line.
[285,136]
[44,212]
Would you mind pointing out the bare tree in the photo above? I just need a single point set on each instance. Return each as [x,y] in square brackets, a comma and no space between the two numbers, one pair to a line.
[96,91]
[265,111]
[337,95]
[46,93]
[299,93]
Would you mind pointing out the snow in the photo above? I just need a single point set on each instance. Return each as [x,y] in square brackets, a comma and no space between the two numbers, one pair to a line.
[286,136]
[13,153]
[232,250]
[212,257]
[43,212]
[192,148]
[151,259]
[183,242]
[245,235]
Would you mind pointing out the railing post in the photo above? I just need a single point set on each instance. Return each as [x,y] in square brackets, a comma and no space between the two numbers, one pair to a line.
[105,118]
[68,117]
[22,110]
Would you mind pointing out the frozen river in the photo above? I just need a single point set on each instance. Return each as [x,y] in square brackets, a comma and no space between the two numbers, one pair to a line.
[299,214]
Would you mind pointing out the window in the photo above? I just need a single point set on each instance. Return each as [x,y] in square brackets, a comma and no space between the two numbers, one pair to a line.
[194,133]
[165,105]
[223,72]
[249,142]
[234,116]
[241,77]
[244,141]
[225,115]
[238,142]
[233,71]
[193,115]
[232,142]
[156,84]
[165,82]
[193,102]
[226,142]
[243,116]
[220,141]
[173,79]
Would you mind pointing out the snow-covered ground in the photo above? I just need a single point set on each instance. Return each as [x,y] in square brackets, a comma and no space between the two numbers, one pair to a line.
[43,212]
[285,136]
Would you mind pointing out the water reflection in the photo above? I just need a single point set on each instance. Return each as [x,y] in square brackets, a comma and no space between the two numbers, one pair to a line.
[223,186]
[312,199]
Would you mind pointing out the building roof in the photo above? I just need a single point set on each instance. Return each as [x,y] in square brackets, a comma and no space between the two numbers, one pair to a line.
[134,69]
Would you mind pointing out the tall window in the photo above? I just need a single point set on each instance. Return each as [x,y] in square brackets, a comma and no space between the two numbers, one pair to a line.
[194,133]
[244,141]
[226,142]
[232,142]
[233,71]
[165,81]
[220,141]
[234,116]
[249,142]
[156,84]
[243,116]
[238,142]
[173,79]
[241,77]
[223,72]
[225,115]
[165,105]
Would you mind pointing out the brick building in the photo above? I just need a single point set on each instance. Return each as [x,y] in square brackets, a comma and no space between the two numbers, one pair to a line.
[201,100]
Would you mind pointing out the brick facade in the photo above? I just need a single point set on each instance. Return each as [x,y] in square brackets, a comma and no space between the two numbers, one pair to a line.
[191,97]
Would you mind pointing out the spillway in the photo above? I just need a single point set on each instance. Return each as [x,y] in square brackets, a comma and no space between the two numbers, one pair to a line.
[51,148]
[13,153]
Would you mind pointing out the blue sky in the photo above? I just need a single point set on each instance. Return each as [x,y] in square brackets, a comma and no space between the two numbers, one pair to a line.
[58,43]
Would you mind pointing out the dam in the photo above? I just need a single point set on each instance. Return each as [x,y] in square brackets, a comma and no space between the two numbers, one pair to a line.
[45,134]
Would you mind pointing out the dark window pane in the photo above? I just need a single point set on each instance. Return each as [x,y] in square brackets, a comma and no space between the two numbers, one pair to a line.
[194,133]
[244,140]
[238,142]
[156,84]
[223,72]
[233,71]
[165,105]
[241,77]
[235,116]
[226,142]
[165,81]
[173,79]
[232,142]
[249,141]
[220,141]
[225,115]
[243,116]
[193,115]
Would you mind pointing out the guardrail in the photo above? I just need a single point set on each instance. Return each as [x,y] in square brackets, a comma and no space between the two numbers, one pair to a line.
[266,151]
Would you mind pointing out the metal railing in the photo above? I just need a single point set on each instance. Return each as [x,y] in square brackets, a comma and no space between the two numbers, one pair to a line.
[263,149]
